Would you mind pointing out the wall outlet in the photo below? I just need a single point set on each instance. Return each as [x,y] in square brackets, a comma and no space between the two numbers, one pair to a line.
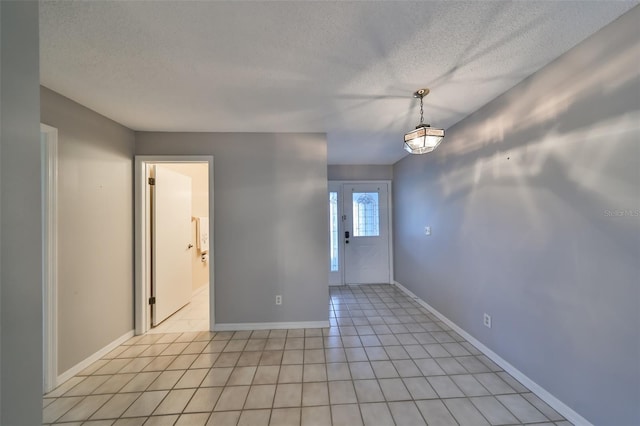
[278,300]
[487,320]
[427,230]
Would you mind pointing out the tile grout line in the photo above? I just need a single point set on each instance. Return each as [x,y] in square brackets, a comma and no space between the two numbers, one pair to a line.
[398,321]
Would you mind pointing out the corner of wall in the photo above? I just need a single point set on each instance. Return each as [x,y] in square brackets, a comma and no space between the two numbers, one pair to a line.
[20,207]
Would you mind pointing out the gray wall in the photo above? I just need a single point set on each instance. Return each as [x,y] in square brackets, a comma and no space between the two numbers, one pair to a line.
[270,221]
[20,213]
[1,143]
[95,228]
[360,172]
[534,207]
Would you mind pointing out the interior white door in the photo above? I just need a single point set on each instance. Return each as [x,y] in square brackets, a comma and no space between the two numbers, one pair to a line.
[366,233]
[171,243]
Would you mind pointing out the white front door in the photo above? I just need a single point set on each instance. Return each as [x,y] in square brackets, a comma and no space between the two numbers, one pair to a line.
[171,243]
[366,233]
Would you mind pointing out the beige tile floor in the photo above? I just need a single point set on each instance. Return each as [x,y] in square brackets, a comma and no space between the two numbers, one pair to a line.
[385,360]
[192,317]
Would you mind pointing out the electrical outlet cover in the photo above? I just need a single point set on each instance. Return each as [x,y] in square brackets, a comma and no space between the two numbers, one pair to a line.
[487,320]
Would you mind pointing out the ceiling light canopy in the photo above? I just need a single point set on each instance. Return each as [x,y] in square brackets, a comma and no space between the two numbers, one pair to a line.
[424,138]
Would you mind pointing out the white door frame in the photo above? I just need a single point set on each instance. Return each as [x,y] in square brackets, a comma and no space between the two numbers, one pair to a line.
[142,278]
[49,149]
[341,184]
[337,277]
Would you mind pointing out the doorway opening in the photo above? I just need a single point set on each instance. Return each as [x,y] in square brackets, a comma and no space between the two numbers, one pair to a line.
[360,233]
[174,268]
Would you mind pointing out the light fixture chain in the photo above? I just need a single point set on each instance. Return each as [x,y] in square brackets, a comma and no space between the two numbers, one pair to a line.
[421,111]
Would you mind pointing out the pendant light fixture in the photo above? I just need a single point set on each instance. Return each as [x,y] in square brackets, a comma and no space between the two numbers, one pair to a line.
[424,138]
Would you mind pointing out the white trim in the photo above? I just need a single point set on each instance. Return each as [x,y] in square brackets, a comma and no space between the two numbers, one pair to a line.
[338,275]
[542,393]
[49,140]
[142,323]
[269,325]
[93,358]
[390,230]
[341,184]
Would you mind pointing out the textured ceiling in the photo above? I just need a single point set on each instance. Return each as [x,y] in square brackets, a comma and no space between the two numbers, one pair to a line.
[344,68]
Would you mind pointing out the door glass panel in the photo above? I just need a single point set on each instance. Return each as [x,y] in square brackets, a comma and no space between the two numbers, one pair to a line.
[333,230]
[366,215]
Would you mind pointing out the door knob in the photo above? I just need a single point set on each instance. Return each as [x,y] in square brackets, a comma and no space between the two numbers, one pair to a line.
[190,245]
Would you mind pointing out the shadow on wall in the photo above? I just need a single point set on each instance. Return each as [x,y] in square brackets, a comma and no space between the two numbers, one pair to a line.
[523,109]
[551,144]
[535,208]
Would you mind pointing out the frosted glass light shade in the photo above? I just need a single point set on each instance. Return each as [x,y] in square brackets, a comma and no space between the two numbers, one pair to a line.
[422,140]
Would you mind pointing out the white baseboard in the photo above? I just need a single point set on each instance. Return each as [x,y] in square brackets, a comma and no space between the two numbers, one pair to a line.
[242,326]
[542,393]
[93,358]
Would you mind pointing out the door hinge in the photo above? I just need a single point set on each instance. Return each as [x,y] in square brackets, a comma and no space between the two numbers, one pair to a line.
[152,300]
[152,181]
